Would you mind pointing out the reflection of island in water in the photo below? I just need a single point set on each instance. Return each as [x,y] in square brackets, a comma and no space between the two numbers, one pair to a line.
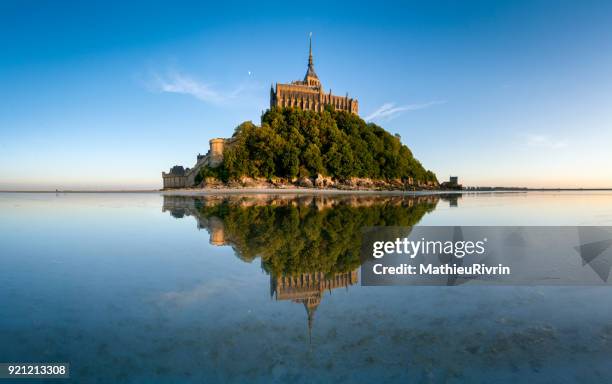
[307,244]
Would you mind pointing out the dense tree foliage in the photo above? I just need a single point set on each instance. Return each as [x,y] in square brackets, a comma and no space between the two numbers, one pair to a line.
[294,143]
[300,238]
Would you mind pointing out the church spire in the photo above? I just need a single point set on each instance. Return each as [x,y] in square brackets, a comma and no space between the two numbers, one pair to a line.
[311,79]
[310,63]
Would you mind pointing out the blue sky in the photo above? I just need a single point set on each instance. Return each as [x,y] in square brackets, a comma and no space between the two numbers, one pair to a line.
[109,94]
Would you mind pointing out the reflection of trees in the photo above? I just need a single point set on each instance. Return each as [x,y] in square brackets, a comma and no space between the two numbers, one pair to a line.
[308,244]
[294,235]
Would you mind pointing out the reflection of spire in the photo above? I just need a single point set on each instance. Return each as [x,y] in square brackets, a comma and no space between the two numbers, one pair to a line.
[311,304]
[310,312]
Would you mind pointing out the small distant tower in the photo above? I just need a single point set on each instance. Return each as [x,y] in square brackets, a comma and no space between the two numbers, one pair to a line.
[216,146]
[216,151]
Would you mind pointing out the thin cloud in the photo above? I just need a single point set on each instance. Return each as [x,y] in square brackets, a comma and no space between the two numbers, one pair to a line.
[390,111]
[544,141]
[179,83]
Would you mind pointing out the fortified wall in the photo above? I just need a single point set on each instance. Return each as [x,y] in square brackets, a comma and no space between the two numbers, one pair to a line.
[180,177]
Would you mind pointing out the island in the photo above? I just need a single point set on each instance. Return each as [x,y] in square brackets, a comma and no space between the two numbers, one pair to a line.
[308,138]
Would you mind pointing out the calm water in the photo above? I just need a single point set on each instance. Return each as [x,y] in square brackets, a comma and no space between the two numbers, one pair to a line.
[141,288]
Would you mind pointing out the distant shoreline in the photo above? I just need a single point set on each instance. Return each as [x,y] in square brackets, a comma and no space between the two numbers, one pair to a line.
[299,191]
[212,191]
[86,191]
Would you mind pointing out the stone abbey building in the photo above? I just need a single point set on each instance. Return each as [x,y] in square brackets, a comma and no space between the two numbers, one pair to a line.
[307,94]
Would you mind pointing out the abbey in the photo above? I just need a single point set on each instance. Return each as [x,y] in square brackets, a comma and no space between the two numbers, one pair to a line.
[308,94]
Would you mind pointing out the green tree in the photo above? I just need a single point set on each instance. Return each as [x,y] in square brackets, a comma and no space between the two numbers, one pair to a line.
[312,160]
[292,142]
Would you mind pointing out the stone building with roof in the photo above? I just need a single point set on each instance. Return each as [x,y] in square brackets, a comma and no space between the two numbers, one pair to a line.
[308,94]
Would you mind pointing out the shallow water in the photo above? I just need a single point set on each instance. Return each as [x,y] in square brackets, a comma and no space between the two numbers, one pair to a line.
[142,288]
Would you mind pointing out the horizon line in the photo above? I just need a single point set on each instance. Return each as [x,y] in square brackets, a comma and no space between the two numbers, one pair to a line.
[221,191]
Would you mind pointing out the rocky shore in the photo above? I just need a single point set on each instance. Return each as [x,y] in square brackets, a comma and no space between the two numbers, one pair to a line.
[317,183]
